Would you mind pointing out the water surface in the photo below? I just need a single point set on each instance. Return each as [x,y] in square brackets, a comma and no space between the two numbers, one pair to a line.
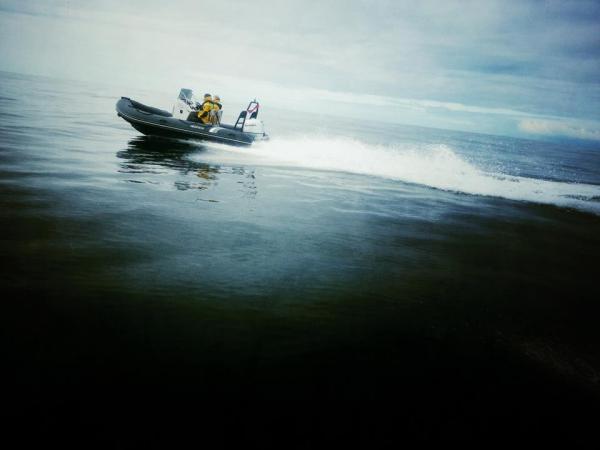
[360,284]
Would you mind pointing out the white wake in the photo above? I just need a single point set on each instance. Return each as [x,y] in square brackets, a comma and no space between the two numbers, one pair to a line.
[436,166]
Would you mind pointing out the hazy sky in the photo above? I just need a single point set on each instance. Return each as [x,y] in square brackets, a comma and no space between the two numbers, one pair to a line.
[510,66]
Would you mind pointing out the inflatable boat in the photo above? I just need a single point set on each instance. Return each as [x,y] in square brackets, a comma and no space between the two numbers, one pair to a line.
[183,122]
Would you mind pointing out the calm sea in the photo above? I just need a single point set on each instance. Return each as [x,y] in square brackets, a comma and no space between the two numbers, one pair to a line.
[345,284]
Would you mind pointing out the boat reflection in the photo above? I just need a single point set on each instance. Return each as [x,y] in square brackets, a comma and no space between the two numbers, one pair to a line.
[146,154]
[150,155]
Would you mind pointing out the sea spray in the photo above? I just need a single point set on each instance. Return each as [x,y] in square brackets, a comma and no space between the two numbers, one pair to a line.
[434,165]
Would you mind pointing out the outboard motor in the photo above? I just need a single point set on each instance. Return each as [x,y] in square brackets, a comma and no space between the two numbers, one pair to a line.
[249,123]
[254,126]
[184,105]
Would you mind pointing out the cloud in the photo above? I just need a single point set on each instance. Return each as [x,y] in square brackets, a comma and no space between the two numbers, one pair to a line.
[560,128]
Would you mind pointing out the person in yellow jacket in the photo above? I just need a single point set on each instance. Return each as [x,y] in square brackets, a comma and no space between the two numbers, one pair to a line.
[205,109]
[215,114]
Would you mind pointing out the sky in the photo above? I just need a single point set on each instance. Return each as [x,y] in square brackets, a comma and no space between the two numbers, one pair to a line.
[528,68]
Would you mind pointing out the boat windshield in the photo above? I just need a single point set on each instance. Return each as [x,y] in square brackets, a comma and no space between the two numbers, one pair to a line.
[186,95]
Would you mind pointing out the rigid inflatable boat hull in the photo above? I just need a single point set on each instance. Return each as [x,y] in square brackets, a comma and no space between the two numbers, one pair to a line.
[156,122]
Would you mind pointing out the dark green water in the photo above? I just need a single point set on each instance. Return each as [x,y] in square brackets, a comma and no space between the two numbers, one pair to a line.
[162,293]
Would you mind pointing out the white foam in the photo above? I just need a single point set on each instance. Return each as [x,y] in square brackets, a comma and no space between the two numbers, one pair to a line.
[436,166]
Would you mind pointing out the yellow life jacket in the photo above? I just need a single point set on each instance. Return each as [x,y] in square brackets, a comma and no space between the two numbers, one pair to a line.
[205,109]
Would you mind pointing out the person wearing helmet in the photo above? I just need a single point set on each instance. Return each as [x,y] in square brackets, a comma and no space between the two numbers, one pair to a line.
[217,110]
[205,109]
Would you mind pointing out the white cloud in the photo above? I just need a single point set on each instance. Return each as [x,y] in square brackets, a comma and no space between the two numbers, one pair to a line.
[588,131]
